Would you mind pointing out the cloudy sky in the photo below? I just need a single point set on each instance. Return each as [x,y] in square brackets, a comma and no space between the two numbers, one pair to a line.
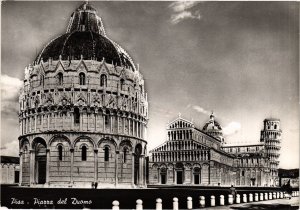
[239,59]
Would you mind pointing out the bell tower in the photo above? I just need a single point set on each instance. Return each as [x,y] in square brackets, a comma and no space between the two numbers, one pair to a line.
[271,137]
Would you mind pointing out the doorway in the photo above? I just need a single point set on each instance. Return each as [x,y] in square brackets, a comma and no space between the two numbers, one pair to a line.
[137,155]
[197,175]
[196,179]
[41,170]
[252,181]
[17,175]
[163,178]
[179,177]
[40,162]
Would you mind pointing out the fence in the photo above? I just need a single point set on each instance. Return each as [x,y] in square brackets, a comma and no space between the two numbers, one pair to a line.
[212,201]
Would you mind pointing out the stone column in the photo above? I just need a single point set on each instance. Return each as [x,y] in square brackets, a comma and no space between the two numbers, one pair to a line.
[141,170]
[132,169]
[47,166]
[72,164]
[174,175]
[192,176]
[103,119]
[21,168]
[35,115]
[116,168]
[123,124]
[81,120]
[95,115]
[88,121]
[24,125]
[158,176]
[145,172]
[29,124]
[42,122]
[111,123]
[133,127]
[55,116]
[95,165]
[117,117]
[32,167]
[48,121]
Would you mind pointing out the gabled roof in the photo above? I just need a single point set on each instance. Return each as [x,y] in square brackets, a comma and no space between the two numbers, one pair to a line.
[180,119]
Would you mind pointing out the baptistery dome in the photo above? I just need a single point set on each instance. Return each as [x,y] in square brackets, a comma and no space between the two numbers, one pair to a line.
[86,39]
[83,111]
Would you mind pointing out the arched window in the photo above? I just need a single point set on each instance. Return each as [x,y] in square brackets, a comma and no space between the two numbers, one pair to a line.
[83,153]
[82,78]
[125,155]
[122,83]
[60,152]
[103,80]
[106,153]
[76,116]
[275,126]
[106,120]
[60,78]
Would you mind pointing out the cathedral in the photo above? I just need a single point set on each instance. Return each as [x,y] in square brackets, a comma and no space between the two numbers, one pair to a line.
[83,111]
[194,156]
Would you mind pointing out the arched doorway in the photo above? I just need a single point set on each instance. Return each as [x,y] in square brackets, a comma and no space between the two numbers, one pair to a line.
[179,173]
[40,148]
[197,175]
[163,176]
[137,154]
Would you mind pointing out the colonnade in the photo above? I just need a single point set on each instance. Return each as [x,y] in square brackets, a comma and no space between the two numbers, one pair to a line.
[198,155]
[58,120]
[33,170]
[179,134]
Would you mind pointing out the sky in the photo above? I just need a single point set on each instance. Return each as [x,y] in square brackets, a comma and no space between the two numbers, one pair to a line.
[237,59]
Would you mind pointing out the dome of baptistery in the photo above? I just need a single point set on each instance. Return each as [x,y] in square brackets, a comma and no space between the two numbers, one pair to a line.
[83,111]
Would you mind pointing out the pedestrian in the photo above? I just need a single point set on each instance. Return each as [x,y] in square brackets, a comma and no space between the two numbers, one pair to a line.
[96,185]
[233,192]
[93,185]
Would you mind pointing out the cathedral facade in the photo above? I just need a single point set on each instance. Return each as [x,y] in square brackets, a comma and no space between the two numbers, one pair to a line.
[83,111]
[193,156]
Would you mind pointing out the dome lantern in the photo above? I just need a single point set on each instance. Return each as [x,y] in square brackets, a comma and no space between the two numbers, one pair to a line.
[85,18]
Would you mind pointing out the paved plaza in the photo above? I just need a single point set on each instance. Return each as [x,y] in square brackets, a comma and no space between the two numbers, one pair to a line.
[282,204]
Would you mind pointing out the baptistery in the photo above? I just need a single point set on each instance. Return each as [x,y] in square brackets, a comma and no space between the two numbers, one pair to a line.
[83,111]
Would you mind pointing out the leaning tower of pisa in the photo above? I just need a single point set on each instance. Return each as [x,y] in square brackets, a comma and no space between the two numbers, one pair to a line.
[271,136]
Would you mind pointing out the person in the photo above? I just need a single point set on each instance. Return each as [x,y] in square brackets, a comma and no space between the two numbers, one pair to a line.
[286,188]
[289,189]
[233,192]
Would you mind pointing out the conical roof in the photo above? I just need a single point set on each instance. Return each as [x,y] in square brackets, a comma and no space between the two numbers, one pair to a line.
[86,39]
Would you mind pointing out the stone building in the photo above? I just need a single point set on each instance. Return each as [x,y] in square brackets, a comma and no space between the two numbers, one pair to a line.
[193,156]
[10,169]
[83,111]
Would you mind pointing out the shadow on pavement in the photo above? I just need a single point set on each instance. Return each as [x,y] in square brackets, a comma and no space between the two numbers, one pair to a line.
[266,206]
